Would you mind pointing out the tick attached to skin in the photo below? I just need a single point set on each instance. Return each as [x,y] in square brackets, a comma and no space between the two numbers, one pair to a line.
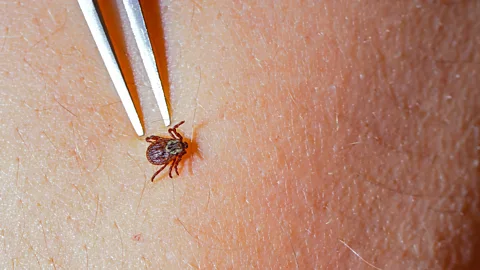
[162,151]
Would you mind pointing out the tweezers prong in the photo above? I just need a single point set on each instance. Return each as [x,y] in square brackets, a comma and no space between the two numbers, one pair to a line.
[137,22]
[100,37]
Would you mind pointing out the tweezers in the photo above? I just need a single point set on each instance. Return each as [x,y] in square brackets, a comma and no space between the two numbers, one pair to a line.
[135,17]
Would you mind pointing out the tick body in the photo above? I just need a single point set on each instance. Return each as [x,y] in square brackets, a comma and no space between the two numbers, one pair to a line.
[163,151]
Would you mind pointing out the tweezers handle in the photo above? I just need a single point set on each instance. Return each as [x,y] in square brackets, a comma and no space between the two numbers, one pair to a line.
[100,37]
[139,29]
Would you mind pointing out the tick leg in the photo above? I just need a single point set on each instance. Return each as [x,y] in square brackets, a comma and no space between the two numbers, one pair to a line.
[173,131]
[171,167]
[177,125]
[152,139]
[176,164]
[157,172]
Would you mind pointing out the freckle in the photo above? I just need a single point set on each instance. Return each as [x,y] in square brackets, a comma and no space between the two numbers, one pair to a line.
[71,152]
[137,237]
[176,220]
[36,21]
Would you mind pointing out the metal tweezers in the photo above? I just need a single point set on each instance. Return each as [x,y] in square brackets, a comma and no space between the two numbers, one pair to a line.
[135,17]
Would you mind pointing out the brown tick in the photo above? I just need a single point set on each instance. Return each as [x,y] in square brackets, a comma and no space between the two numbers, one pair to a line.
[162,151]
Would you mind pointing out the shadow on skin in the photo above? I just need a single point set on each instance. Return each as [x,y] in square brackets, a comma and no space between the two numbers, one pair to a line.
[193,149]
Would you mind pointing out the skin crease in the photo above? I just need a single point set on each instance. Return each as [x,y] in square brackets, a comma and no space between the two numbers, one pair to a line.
[322,135]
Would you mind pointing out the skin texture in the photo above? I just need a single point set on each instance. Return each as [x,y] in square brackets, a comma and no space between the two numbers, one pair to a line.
[322,135]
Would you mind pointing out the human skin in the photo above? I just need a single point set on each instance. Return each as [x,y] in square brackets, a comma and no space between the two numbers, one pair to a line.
[323,135]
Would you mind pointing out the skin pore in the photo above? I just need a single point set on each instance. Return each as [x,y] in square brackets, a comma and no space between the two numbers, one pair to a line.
[322,135]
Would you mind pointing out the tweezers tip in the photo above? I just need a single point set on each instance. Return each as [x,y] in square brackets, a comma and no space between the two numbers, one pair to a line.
[167,122]
[139,131]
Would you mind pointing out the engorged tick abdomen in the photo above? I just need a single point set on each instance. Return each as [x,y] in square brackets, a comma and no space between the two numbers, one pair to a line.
[156,153]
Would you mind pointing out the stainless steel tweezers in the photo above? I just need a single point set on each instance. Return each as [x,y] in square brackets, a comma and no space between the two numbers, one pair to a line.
[139,29]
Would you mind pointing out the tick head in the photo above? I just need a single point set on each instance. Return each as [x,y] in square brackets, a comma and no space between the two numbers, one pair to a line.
[185,145]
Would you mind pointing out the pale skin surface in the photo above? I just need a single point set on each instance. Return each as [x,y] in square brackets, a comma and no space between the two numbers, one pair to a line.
[324,131]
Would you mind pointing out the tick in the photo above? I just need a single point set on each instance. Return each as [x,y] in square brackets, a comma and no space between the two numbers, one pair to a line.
[163,151]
